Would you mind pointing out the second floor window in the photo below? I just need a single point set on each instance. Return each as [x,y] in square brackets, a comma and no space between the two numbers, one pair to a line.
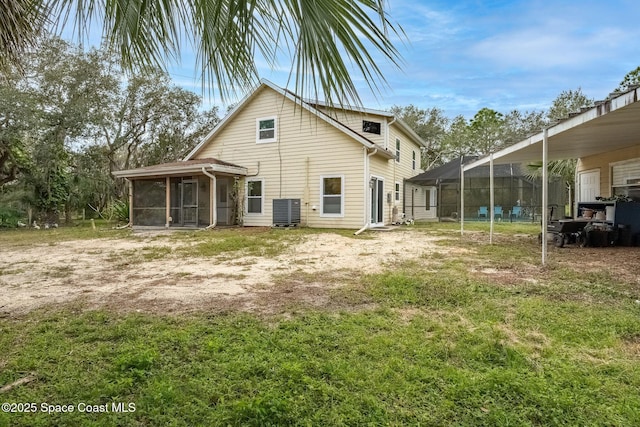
[371,127]
[266,130]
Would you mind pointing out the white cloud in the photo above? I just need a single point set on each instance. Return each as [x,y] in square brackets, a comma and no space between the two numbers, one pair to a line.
[551,47]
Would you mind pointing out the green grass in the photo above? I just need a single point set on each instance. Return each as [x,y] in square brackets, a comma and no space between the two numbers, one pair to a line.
[430,342]
[82,230]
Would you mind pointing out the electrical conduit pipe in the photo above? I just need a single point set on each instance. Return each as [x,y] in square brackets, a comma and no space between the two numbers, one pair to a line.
[366,181]
[214,206]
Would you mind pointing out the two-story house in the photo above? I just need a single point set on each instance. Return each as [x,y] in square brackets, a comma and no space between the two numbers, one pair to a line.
[343,168]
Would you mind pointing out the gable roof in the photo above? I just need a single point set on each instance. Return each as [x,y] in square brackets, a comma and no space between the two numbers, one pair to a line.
[311,108]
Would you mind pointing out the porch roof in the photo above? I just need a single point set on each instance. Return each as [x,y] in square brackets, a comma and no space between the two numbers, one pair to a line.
[183,167]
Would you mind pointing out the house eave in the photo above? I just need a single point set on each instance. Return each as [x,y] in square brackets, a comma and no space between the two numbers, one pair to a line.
[180,170]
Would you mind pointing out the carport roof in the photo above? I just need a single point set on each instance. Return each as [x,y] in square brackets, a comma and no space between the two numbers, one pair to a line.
[610,125]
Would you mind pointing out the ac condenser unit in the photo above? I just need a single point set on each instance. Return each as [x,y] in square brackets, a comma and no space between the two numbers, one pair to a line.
[286,212]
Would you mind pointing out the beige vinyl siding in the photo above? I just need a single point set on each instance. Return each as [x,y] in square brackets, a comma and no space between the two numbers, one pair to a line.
[418,210]
[604,161]
[307,149]
[393,171]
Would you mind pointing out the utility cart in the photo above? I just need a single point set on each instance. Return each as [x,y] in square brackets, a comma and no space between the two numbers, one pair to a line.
[567,231]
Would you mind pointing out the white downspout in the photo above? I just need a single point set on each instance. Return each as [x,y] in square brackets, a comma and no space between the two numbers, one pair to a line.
[386,139]
[214,207]
[367,191]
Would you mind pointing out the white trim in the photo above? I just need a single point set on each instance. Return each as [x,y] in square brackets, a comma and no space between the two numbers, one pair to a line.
[179,170]
[322,196]
[396,191]
[246,197]
[398,149]
[414,160]
[275,130]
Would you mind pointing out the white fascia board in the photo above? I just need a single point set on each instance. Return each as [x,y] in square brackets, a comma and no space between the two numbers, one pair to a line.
[176,170]
[370,111]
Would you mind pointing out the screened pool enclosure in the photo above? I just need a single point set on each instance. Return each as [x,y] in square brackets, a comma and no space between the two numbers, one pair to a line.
[517,197]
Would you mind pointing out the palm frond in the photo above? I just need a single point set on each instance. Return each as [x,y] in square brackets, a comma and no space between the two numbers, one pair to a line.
[328,41]
[20,24]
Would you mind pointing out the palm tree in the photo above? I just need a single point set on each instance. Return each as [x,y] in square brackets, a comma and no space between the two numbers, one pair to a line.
[563,169]
[326,39]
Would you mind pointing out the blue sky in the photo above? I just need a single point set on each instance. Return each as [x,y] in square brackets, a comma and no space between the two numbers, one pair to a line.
[462,56]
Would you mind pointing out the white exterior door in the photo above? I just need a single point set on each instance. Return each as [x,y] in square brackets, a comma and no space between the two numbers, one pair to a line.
[431,201]
[377,201]
[589,185]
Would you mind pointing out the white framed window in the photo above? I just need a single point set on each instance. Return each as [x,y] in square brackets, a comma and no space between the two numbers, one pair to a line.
[397,191]
[266,130]
[414,160]
[332,196]
[397,150]
[255,196]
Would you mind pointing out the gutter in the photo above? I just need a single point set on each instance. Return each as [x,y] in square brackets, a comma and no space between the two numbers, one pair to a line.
[214,207]
[367,179]
[386,139]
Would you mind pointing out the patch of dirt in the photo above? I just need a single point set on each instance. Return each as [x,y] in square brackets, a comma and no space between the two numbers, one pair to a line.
[151,273]
[115,274]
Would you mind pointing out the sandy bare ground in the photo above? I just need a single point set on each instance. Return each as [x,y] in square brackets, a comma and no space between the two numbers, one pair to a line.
[115,273]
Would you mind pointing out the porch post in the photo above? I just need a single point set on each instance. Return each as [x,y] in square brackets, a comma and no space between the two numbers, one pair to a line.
[461,213]
[130,187]
[545,193]
[491,198]
[212,201]
[168,202]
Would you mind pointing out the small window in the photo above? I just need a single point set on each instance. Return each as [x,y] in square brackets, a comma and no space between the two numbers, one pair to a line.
[255,196]
[427,199]
[266,130]
[414,160]
[398,150]
[371,127]
[332,195]
[397,191]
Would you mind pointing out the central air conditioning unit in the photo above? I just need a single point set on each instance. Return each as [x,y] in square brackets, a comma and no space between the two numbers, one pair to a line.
[286,212]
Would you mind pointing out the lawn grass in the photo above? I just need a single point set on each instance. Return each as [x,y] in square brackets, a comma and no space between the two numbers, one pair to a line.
[81,230]
[429,342]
